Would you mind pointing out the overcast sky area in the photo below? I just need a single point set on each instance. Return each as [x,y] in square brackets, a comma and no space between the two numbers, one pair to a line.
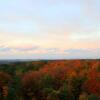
[49,29]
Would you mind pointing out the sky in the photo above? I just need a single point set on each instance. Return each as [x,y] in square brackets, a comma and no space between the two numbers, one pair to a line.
[49,29]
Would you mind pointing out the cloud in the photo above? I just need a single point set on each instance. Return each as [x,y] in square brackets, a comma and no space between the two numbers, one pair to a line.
[20,48]
[83,35]
[49,28]
[32,48]
[4,48]
[48,53]
[83,53]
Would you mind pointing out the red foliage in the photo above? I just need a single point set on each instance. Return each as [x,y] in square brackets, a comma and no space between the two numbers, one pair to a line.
[77,63]
[61,69]
[4,78]
[64,70]
[55,69]
[92,86]
[93,74]
[30,77]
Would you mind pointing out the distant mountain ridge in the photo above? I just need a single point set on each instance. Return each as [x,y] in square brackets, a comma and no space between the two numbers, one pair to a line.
[13,61]
[8,61]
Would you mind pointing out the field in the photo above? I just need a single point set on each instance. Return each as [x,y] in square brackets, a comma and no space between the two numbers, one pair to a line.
[50,80]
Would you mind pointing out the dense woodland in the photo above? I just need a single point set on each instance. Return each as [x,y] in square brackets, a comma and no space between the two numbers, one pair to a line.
[50,80]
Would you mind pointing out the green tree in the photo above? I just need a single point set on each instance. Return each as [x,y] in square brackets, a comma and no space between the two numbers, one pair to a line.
[93,97]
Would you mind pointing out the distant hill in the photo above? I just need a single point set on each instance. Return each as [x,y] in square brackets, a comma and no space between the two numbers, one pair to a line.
[13,61]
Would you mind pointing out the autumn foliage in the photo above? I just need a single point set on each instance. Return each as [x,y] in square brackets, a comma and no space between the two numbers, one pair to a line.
[51,80]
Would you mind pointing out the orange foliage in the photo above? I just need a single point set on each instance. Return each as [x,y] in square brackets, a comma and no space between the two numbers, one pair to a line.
[5,91]
[93,74]
[4,78]
[30,77]
[64,70]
